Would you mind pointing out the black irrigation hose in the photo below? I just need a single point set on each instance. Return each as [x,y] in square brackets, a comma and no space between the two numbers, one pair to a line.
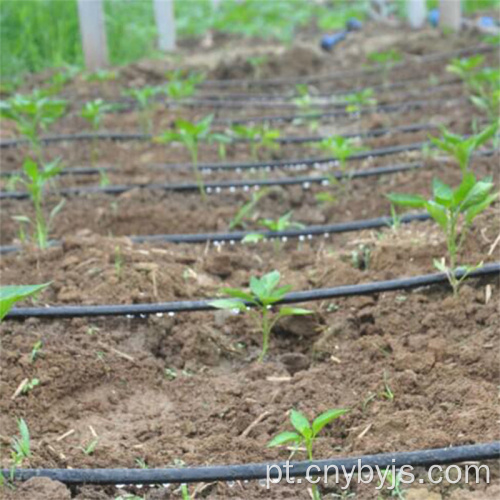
[234,236]
[420,458]
[203,305]
[217,186]
[124,136]
[346,75]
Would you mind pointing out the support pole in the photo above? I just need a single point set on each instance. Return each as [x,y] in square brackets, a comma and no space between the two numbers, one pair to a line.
[165,24]
[93,33]
[450,14]
[417,11]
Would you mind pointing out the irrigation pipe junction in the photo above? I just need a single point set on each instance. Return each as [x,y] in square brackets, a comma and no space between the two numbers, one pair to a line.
[420,458]
[143,310]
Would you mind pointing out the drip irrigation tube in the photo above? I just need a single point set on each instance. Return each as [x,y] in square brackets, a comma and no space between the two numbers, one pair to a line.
[203,305]
[216,187]
[123,136]
[346,75]
[420,458]
[234,236]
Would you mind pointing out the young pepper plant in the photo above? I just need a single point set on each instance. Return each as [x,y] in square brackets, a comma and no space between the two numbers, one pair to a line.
[93,112]
[190,135]
[145,99]
[35,181]
[465,68]
[387,59]
[461,148]
[359,100]
[454,210]
[10,294]
[264,293]
[260,136]
[306,433]
[32,115]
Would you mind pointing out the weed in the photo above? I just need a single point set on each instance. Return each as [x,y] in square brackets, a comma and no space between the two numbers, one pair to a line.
[90,448]
[32,115]
[30,385]
[306,433]
[264,293]
[35,351]
[35,180]
[394,481]
[20,447]
[259,136]
[145,99]
[190,135]
[461,148]
[141,462]
[10,294]
[448,208]
[387,392]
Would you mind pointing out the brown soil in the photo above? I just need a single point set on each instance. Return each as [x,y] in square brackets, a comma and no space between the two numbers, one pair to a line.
[188,387]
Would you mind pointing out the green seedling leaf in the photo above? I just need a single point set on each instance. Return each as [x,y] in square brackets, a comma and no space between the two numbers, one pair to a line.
[326,418]
[253,238]
[442,192]
[11,294]
[406,200]
[227,304]
[300,423]
[294,311]
[475,210]
[437,212]
[285,438]
[238,294]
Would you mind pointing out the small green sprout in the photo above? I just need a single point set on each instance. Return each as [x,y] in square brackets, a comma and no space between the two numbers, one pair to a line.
[37,347]
[263,294]
[32,114]
[359,100]
[394,484]
[21,446]
[35,180]
[306,433]
[145,99]
[452,208]
[387,392]
[10,294]
[247,209]
[222,141]
[486,92]
[101,75]
[90,448]
[304,102]
[461,148]
[190,135]
[141,462]
[360,257]
[387,59]
[259,136]
[180,86]
[93,112]
[30,385]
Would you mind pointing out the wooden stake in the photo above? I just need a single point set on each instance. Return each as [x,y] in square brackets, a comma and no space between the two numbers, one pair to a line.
[93,33]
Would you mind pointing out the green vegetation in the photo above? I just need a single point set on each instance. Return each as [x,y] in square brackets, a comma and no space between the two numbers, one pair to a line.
[247,209]
[35,180]
[387,59]
[190,135]
[93,112]
[359,100]
[180,86]
[145,99]
[10,294]
[32,115]
[264,292]
[20,447]
[259,136]
[306,433]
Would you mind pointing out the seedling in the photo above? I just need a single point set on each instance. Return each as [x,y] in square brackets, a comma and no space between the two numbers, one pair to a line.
[275,225]
[361,257]
[101,75]
[222,141]
[37,347]
[180,87]
[452,208]
[465,68]
[263,294]
[260,136]
[90,448]
[60,79]
[486,88]
[32,115]
[30,385]
[387,59]
[247,209]
[141,462]
[306,433]
[190,135]
[359,100]
[20,447]
[387,392]
[304,102]
[394,484]
[257,62]
[145,99]
[35,180]
[10,294]
[94,112]
[461,148]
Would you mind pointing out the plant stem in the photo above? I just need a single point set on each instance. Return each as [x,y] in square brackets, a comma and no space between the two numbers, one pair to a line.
[197,174]
[266,330]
